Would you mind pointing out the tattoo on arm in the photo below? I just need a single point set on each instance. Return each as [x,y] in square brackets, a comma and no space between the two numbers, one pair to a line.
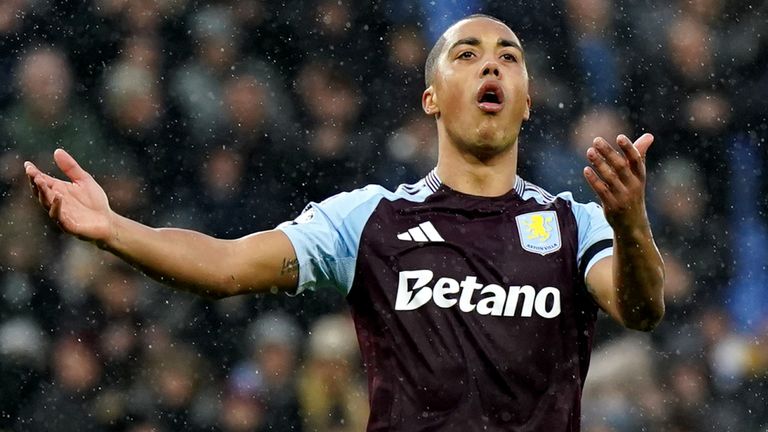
[289,266]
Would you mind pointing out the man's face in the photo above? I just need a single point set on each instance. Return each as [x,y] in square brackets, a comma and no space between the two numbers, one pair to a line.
[479,91]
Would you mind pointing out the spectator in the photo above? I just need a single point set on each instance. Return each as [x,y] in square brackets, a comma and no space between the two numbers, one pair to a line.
[175,379]
[680,203]
[197,86]
[568,157]
[616,400]
[242,414]
[133,99]
[47,115]
[332,397]
[269,373]
[66,401]
[23,350]
[591,25]
[411,149]
[11,24]
[402,80]
[142,16]
[682,98]
[337,154]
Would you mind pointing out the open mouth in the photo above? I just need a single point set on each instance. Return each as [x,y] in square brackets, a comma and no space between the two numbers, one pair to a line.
[490,97]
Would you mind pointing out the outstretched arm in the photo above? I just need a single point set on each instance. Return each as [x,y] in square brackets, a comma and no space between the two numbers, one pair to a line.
[184,259]
[629,286]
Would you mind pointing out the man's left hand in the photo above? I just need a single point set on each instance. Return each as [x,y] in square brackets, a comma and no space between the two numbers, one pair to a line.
[618,178]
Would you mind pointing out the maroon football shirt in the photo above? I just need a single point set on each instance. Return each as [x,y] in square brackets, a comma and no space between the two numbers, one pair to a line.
[471,312]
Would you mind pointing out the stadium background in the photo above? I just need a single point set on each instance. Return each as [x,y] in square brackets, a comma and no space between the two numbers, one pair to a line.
[228,117]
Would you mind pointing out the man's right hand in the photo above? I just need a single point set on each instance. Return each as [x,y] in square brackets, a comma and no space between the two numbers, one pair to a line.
[182,258]
[80,206]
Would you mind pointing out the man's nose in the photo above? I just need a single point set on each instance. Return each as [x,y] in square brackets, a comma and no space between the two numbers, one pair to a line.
[491,68]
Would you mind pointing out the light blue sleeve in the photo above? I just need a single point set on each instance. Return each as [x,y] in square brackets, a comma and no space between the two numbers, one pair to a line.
[593,228]
[326,238]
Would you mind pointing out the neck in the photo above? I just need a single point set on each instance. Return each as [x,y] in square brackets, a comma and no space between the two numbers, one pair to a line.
[465,172]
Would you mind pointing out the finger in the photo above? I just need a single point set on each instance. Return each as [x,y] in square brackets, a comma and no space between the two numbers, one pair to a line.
[643,144]
[45,194]
[599,186]
[47,180]
[615,160]
[633,156]
[55,211]
[606,173]
[69,166]
[31,171]
[35,189]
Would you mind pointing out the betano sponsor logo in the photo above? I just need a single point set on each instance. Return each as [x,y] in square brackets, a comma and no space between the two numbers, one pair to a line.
[414,290]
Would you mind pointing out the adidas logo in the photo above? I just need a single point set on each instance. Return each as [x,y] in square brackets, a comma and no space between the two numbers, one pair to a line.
[424,232]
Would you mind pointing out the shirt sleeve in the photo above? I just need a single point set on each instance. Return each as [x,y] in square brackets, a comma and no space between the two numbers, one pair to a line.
[326,238]
[595,234]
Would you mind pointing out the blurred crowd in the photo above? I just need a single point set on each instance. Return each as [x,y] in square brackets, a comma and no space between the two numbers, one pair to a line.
[229,116]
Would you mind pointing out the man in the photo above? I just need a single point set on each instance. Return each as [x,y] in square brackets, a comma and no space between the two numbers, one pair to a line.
[474,292]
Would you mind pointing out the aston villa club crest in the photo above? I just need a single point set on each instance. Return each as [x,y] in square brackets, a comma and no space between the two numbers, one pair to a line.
[539,232]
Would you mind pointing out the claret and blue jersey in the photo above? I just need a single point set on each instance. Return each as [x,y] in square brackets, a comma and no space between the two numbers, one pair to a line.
[471,312]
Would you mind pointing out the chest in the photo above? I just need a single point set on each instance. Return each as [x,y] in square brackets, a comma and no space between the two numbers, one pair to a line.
[518,246]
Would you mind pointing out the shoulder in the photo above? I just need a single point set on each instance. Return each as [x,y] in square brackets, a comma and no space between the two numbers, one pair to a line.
[362,202]
[348,201]
[529,190]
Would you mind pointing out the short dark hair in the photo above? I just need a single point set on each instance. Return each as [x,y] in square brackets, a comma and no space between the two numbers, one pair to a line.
[437,48]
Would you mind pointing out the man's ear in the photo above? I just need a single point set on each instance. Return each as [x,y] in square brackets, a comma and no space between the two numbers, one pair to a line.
[429,101]
[527,113]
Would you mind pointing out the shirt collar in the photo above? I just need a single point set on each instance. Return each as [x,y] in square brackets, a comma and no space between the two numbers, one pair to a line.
[433,182]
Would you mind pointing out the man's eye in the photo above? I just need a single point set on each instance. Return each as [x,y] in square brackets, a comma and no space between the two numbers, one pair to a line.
[509,57]
[466,55]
